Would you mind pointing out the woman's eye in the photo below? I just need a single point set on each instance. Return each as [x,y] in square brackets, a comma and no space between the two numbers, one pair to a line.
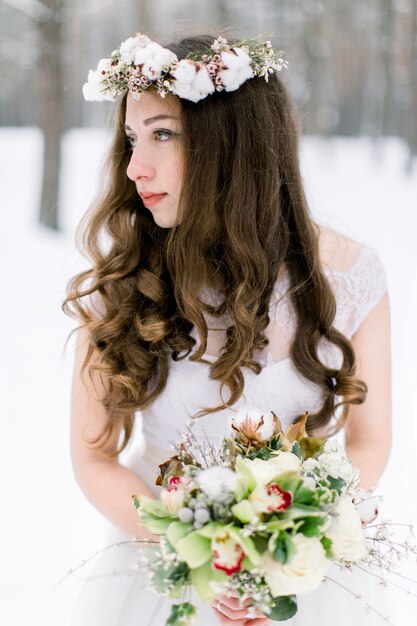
[164,134]
[160,134]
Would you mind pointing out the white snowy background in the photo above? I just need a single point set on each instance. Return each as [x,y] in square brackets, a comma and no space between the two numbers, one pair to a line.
[353,185]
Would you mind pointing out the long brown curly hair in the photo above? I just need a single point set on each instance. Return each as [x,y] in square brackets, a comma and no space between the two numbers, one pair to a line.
[242,216]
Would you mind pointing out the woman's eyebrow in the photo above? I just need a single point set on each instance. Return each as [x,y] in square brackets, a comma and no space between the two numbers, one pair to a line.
[155,118]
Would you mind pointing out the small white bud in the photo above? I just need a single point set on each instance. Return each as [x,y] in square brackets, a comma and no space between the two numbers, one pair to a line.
[185,514]
[202,515]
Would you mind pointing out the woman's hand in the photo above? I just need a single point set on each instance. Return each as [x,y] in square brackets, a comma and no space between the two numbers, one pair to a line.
[229,612]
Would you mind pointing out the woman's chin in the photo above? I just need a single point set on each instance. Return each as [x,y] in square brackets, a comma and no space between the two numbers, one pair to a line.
[164,221]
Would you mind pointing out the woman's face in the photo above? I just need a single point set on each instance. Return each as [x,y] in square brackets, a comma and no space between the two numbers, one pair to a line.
[153,128]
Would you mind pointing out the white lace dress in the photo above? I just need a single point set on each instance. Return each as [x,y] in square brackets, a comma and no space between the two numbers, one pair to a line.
[113,595]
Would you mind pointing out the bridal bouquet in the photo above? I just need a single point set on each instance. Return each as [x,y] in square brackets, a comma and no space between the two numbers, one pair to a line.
[264,514]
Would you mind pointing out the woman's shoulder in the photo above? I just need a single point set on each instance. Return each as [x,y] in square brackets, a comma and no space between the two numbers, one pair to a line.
[338,253]
[356,274]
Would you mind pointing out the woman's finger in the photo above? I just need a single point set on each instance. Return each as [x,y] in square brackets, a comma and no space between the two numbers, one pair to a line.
[233,614]
[233,601]
[258,621]
[227,621]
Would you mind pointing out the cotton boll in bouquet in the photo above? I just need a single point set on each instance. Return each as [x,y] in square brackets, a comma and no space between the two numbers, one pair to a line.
[263,515]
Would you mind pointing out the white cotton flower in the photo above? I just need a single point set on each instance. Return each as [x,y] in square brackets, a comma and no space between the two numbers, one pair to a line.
[266,471]
[348,539]
[266,431]
[185,71]
[303,573]
[104,65]
[128,47]
[154,58]
[334,461]
[190,82]
[238,69]
[217,482]
[93,89]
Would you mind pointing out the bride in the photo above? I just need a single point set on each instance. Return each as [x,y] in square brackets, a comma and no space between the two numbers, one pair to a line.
[211,287]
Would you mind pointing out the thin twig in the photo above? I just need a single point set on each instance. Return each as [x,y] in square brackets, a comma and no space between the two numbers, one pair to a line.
[393,543]
[93,556]
[384,579]
[382,524]
[359,597]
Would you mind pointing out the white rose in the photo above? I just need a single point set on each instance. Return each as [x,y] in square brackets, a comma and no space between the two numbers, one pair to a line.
[346,533]
[302,574]
[217,482]
[311,464]
[154,58]
[266,431]
[334,461]
[128,47]
[237,70]
[265,471]
[190,82]
[93,89]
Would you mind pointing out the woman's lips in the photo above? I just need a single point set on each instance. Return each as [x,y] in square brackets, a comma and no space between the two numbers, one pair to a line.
[149,201]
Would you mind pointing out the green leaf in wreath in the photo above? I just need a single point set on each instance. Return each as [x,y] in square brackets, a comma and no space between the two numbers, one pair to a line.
[310,526]
[245,543]
[311,446]
[304,495]
[283,608]
[276,443]
[298,511]
[336,483]
[263,453]
[181,614]
[296,449]
[327,545]
[284,548]
[260,543]
[279,524]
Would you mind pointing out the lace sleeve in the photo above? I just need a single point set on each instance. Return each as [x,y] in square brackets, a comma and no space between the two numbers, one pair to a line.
[358,289]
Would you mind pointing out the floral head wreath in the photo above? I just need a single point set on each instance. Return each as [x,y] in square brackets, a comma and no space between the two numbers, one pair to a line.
[140,64]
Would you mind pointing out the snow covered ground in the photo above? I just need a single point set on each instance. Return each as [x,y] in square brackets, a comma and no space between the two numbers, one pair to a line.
[47,526]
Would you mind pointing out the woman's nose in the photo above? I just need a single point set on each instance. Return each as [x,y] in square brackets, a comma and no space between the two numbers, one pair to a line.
[139,168]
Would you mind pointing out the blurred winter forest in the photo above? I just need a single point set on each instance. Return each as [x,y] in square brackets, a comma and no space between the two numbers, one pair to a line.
[352,72]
